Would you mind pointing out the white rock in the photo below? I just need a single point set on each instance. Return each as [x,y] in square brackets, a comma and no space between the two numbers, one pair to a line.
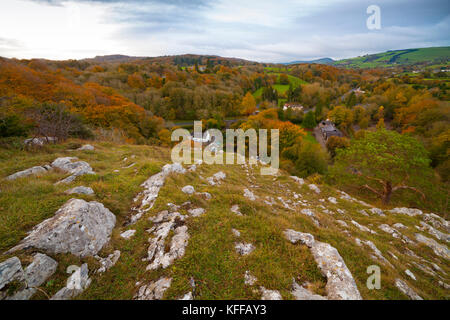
[86,147]
[270,294]
[155,290]
[235,209]
[314,188]
[439,249]
[196,212]
[340,282]
[236,232]
[108,262]
[377,211]
[404,288]
[300,181]
[407,211]
[78,227]
[249,279]
[80,190]
[332,200]
[188,190]
[38,170]
[128,234]
[244,248]
[40,141]
[301,293]
[10,270]
[249,195]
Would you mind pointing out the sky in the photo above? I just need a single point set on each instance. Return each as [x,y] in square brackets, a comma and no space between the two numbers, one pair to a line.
[258,30]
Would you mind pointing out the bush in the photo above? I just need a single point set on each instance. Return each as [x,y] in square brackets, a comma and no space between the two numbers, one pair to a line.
[335,143]
[13,126]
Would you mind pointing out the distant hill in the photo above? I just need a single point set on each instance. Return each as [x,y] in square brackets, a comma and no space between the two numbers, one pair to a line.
[434,55]
[184,60]
[318,61]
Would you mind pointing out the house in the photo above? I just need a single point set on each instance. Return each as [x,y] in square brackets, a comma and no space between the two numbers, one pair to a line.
[328,129]
[293,106]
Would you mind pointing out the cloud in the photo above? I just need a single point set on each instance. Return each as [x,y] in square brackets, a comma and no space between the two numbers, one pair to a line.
[252,29]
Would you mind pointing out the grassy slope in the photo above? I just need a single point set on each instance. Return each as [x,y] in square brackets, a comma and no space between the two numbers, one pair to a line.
[400,57]
[210,257]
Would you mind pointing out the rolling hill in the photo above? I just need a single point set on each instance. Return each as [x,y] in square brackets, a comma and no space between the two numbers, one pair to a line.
[435,55]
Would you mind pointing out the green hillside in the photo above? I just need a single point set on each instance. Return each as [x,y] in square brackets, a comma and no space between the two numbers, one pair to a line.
[436,55]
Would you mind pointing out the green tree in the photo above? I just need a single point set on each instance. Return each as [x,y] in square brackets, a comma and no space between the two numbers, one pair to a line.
[383,162]
[309,121]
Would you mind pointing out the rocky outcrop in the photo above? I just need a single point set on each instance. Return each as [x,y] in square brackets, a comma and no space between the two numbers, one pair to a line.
[434,232]
[165,222]
[340,282]
[76,284]
[148,196]
[408,211]
[404,288]
[75,168]
[41,268]
[439,249]
[155,290]
[108,262]
[78,227]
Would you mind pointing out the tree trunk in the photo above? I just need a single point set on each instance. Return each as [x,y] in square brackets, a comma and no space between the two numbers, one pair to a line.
[387,192]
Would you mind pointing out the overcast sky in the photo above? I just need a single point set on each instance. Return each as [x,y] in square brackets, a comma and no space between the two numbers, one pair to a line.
[260,30]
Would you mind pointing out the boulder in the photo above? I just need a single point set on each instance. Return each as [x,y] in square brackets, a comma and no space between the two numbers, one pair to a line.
[249,195]
[42,268]
[196,212]
[78,227]
[75,168]
[300,181]
[408,211]
[301,293]
[80,190]
[314,188]
[10,270]
[28,172]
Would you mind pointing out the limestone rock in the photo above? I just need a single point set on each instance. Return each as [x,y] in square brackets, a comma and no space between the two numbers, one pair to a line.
[75,168]
[434,232]
[340,282]
[314,188]
[235,209]
[301,293]
[187,296]
[197,212]
[332,200]
[42,268]
[410,274]
[151,187]
[28,172]
[80,190]
[270,294]
[249,279]
[76,284]
[439,249]
[188,190]
[155,290]
[40,141]
[216,178]
[403,287]
[408,211]
[249,195]
[300,181]
[377,211]
[78,227]
[244,248]
[128,234]
[236,233]
[86,147]
[10,270]
[437,221]
[109,261]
